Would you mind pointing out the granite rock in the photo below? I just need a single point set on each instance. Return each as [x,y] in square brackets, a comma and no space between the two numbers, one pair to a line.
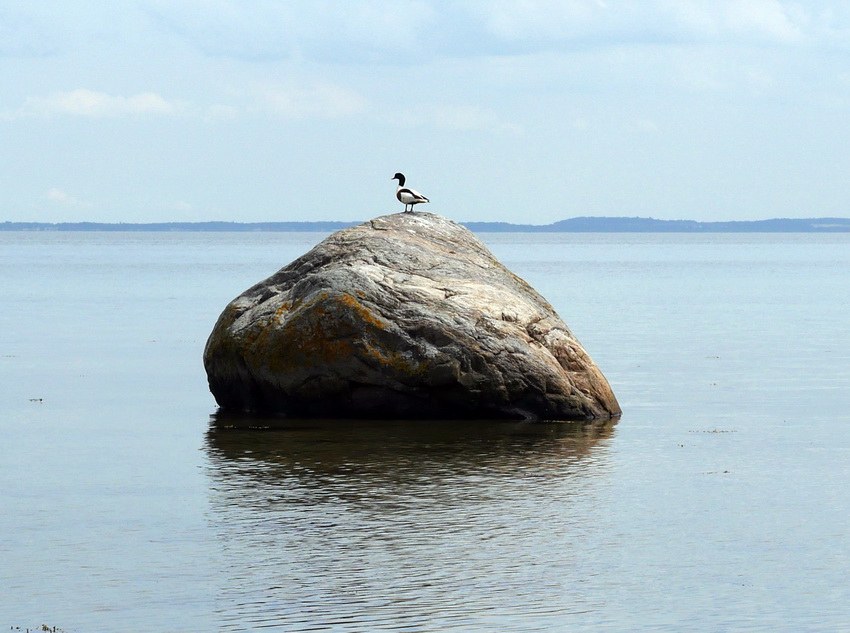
[405,316]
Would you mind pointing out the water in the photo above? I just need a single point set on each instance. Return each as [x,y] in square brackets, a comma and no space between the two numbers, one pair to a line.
[718,503]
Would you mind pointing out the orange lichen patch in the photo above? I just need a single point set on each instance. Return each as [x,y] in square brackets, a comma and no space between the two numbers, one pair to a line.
[308,336]
[303,334]
[386,359]
[285,307]
[365,315]
[290,306]
[390,360]
[226,319]
[324,332]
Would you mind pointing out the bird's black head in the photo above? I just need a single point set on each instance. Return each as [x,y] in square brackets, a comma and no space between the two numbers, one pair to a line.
[400,178]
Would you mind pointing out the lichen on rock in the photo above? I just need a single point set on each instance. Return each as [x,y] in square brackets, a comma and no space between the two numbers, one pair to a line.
[404,316]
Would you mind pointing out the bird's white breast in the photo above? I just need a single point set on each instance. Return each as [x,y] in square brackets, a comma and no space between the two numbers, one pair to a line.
[408,196]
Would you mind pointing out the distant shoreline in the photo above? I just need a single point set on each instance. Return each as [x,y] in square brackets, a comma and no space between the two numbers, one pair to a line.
[573,225]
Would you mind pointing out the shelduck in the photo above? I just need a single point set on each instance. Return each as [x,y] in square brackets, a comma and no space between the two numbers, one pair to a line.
[407,196]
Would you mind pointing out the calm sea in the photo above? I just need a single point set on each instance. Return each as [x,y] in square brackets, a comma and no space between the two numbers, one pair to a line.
[720,502]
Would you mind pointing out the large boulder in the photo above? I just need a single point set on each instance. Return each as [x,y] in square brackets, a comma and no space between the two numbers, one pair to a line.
[406,316]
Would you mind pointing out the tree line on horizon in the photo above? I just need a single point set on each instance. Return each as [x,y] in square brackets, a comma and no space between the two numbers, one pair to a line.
[572,225]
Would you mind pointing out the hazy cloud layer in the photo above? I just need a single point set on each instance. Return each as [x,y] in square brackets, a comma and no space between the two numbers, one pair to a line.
[357,30]
[247,109]
[404,30]
[87,103]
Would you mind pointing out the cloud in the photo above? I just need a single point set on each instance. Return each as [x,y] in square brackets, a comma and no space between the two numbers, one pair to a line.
[60,197]
[87,103]
[401,31]
[548,19]
[312,101]
[768,18]
[404,31]
[261,30]
[553,24]
[744,20]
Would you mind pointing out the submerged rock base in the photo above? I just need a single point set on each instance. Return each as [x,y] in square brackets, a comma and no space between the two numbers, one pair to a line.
[406,316]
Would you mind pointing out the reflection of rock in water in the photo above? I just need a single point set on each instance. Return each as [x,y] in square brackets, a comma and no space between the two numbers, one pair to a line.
[378,524]
[281,454]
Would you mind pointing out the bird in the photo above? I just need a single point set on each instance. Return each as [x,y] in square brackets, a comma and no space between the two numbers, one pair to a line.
[406,195]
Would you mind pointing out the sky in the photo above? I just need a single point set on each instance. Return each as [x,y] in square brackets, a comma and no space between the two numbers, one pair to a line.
[525,111]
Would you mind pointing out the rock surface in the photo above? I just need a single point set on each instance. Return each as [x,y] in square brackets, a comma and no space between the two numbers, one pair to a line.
[404,316]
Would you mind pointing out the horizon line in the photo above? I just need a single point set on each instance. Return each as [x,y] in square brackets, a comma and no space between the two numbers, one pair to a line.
[575,224]
[577,217]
